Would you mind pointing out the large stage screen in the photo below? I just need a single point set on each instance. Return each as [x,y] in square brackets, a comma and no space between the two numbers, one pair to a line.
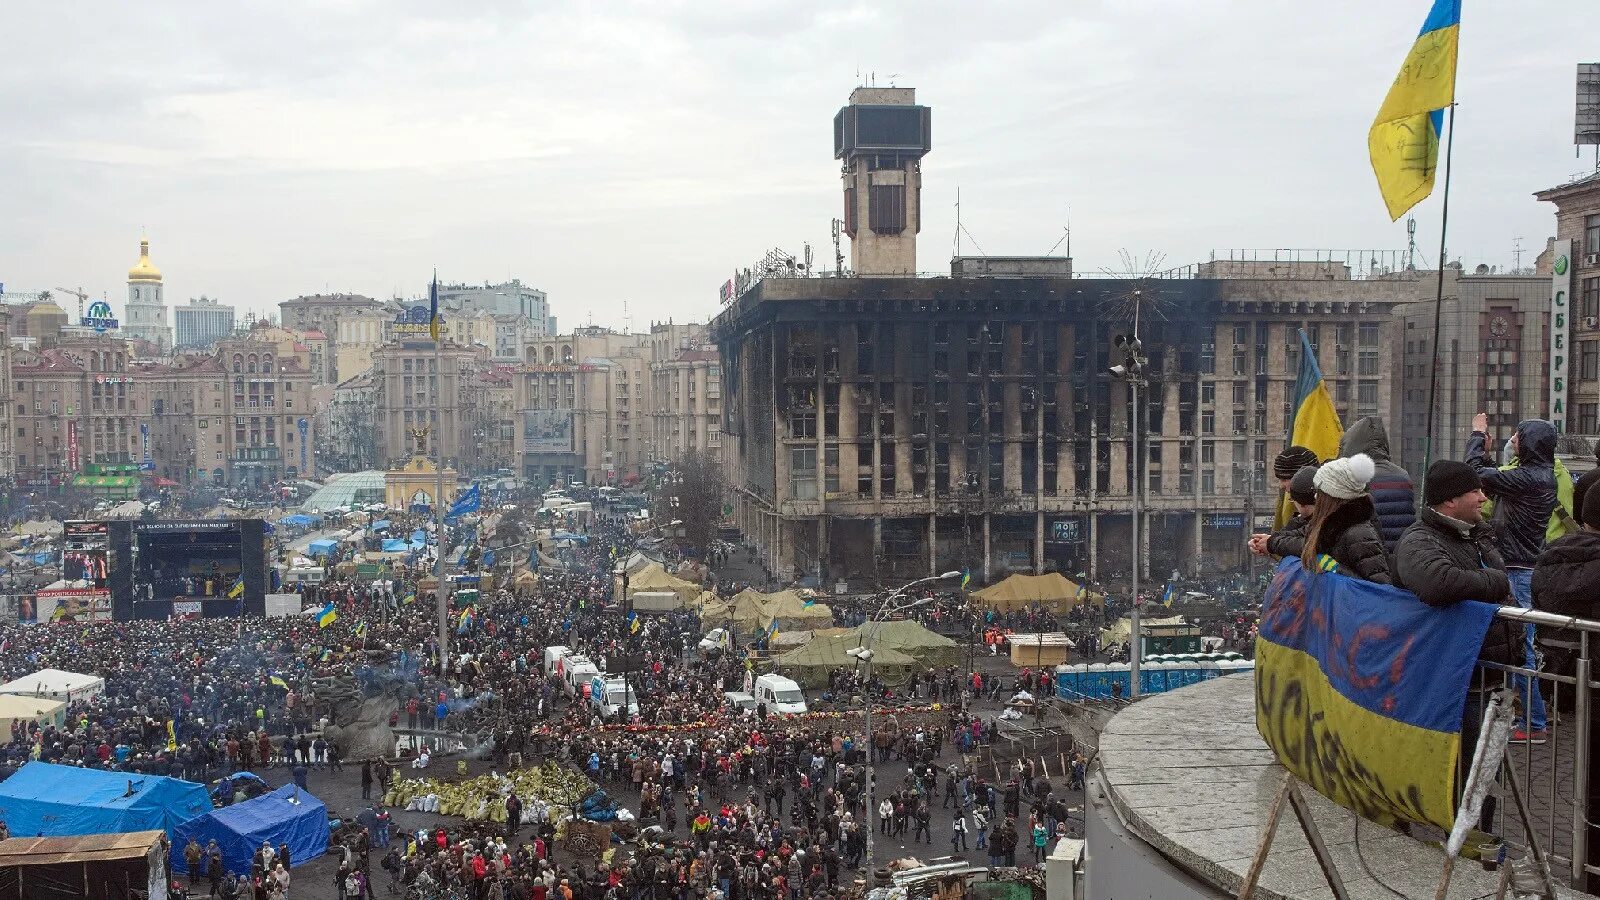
[206,567]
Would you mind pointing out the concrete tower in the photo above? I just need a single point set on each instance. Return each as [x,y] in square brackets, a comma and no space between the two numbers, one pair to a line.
[881,137]
[146,315]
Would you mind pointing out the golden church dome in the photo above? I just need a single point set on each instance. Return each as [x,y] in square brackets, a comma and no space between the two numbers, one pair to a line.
[144,271]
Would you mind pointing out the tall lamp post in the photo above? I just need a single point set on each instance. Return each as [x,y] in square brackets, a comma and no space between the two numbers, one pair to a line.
[1131,370]
[863,654]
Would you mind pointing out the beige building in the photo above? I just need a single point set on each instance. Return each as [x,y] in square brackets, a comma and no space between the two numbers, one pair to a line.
[1578,220]
[685,392]
[406,377]
[74,404]
[582,401]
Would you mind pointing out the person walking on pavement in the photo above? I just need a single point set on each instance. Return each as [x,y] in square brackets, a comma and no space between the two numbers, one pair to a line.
[366,779]
[958,833]
[1527,493]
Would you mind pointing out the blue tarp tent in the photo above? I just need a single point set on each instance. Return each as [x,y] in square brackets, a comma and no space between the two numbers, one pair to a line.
[395,545]
[419,536]
[321,548]
[381,525]
[62,801]
[299,520]
[284,816]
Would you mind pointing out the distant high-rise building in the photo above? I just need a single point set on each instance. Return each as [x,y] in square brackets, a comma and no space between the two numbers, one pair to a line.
[146,316]
[202,322]
[512,298]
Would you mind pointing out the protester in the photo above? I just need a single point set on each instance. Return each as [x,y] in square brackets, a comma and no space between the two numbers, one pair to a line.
[1341,526]
[1394,499]
[1527,493]
[1566,582]
[1290,539]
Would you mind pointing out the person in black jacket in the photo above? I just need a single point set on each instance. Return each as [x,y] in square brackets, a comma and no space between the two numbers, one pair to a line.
[1566,582]
[1525,496]
[1449,555]
[1580,489]
[1288,540]
[1394,499]
[1341,522]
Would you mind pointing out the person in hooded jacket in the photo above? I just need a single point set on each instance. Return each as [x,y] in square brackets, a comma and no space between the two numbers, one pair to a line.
[1566,582]
[1394,498]
[1291,538]
[1342,528]
[1526,495]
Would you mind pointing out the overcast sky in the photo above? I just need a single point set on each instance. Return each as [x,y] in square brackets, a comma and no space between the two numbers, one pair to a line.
[639,152]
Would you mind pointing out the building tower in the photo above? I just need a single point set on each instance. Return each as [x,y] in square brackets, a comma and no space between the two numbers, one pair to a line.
[882,136]
[147,308]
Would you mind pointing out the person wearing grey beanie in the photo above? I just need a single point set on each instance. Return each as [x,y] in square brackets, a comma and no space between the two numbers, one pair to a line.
[1342,526]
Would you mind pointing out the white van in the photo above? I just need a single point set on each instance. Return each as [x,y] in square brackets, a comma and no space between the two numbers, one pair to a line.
[553,655]
[579,672]
[739,701]
[715,639]
[607,693]
[780,695]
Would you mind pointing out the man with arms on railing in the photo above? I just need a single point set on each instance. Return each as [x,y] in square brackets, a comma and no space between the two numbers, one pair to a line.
[1525,494]
[1566,582]
[1449,555]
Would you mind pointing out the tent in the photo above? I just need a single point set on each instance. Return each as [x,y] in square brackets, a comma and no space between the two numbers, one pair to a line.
[19,707]
[655,578]
[789,612]
[56,684]
[323,547]
[395,545]
[287,815]
[92,867]
[381,525]
[299,520]
[810,664]
[1122,631]
[54,801]
[1051,590]
[928,649]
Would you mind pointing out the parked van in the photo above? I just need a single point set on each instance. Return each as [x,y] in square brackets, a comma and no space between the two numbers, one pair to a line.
[606,693]
[779,695]
[553,655]
[739,701]
[579,672]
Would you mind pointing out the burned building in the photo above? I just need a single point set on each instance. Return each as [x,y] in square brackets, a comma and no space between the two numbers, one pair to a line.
[882,428]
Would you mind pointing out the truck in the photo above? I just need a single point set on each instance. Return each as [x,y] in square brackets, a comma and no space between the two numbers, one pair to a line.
[779,695]
[606,693]
[553,657]
[579,672]
[656,601]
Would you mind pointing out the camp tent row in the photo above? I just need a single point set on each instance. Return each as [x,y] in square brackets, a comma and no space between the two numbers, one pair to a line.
[65,801]
[899,648]
[651,577]
[1052,591]
[56,684]
[752,612]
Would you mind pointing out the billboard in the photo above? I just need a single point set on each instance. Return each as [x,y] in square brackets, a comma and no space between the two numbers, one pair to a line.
[547,431]
[1560,288]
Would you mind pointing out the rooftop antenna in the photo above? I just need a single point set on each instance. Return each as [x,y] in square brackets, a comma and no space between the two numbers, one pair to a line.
[957,251]
[627,320]
[1516,252]
[1411,248]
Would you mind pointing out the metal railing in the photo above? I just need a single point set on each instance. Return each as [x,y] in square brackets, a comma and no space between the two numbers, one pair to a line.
[1554,776]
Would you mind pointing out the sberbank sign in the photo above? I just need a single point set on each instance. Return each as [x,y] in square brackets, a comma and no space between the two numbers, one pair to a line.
[1560,307]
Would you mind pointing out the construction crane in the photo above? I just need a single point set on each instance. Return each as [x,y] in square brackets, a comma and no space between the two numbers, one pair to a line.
[81,298]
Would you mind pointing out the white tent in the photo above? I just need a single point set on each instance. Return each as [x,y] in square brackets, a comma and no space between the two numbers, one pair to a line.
[43,710]
[56,684]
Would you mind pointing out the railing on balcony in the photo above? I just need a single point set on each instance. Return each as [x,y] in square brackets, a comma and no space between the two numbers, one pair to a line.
[1553,776]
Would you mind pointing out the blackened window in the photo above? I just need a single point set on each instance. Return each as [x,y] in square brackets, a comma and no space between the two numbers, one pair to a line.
[886,210]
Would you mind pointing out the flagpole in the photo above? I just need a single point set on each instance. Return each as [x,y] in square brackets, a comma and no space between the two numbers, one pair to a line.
[1438,297]
[441,597]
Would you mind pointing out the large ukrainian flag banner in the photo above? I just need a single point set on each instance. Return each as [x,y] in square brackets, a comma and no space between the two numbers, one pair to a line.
[1404,139]
[1315,425]
[1360,689]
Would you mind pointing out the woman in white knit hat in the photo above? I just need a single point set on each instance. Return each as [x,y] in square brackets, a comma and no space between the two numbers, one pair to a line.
[1341,536]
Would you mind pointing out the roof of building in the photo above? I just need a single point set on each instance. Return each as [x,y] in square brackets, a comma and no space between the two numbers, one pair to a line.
[356,382]
[1586,183]
[144,271]
[314,335]
[54,361]
[698,355]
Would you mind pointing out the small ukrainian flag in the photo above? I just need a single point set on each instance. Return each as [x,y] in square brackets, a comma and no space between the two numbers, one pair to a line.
[1168,595]
[237,590]
[328,616]
[277,680]
[633,623]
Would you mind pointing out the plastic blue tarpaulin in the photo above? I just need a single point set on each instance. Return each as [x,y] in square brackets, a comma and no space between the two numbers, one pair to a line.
[419,536]
[299,520]
[284,816]
[321,548]
[62,801]
[395,545]
[381,525]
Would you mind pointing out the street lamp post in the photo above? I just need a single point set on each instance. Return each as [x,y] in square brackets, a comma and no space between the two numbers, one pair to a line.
[1131,370]
[864,654]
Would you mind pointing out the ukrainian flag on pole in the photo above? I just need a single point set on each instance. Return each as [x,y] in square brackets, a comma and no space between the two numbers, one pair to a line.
[1404,139]
[1315,425]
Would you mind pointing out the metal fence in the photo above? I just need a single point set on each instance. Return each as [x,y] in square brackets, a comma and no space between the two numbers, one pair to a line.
[1553,776]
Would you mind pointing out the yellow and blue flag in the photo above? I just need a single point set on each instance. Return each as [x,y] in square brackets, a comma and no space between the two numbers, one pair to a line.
[633,623]
[1315,425]
[1403,142]
[361,628]
[966,578]
[328,616]
[1359,687]
[772,632]
[409,598]
[237,590]
[278,681]
[1168,595]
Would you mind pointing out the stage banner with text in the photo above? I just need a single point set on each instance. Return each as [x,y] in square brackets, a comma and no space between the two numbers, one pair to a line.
[1360,689]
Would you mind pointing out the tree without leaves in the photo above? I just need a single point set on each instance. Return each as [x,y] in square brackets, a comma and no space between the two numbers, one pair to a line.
[694,494]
